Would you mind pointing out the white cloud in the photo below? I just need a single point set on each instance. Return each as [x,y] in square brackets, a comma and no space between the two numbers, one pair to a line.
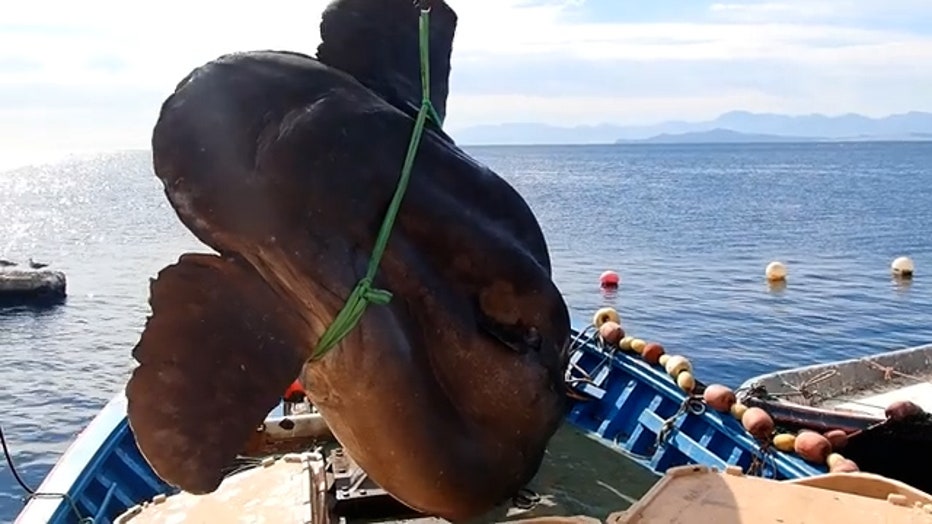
[92,74]
[771,10]
[592,110]
[826,10]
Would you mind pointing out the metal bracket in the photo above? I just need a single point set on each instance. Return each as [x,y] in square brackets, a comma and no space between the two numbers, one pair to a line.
[358,496]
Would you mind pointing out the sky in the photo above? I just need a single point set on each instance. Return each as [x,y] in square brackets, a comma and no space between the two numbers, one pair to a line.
[91,75]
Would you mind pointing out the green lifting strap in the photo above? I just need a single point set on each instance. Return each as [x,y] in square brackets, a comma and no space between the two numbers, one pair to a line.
[364,294]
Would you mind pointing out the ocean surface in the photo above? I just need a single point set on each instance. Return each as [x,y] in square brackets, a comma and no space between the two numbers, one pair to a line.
[690,228]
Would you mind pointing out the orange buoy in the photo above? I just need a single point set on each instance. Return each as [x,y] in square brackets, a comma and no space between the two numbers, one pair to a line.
[609,279]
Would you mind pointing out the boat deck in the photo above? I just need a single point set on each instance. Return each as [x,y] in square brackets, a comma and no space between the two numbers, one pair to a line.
[875,400]
[279,491]
[293,490]
[299,488]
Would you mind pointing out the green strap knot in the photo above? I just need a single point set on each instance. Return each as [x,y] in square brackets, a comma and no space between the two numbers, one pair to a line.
[364,294]
[379,297]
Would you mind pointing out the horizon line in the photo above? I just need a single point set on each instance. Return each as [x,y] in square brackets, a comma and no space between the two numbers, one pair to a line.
[79,156]
[699,121]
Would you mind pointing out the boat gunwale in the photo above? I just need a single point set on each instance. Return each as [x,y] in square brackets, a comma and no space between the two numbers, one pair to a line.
[90,445]
[854,376]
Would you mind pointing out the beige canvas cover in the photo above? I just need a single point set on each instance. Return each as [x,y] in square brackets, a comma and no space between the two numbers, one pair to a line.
[698,494]
[279,491]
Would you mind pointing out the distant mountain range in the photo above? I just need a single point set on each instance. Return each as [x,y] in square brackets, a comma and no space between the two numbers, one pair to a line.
[732,127]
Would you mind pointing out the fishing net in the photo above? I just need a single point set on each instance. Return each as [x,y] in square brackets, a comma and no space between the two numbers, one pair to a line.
[898,449]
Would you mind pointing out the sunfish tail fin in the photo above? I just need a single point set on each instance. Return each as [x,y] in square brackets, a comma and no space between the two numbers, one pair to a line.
[214,358]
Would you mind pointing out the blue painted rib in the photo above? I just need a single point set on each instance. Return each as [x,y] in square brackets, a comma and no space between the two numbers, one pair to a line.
[103,473]
[116,479]
[629,401]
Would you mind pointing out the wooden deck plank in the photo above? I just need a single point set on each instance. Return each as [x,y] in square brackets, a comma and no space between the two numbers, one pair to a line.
[276,493]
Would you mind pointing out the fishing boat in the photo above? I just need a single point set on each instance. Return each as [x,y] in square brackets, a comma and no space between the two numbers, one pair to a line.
[103,475]
[637,409]
[855,395]
[620,400]
[111,483]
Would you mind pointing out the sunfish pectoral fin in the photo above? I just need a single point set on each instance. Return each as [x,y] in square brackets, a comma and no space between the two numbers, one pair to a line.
[217,352]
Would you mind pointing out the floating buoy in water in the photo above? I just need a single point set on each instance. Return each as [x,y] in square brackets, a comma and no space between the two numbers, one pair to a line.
[775,271]
[902,267]
[609,279]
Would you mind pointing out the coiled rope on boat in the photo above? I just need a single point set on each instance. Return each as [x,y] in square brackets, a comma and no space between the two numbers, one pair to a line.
[364,293]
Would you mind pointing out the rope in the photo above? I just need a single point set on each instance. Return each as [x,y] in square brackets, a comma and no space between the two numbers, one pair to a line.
[575,345]
[759,461]
[803,388]
[889,371]
[691,404]
[364,293]
[9,461]
[526,499]
[31,493]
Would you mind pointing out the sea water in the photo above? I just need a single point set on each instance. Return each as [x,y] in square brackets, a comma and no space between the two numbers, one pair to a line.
[690,229]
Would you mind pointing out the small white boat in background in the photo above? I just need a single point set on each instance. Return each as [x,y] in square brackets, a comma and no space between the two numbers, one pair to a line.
[855,395]
[859,386]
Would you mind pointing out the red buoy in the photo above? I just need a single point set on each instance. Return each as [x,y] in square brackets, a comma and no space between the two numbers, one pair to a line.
[609,279]
[295,392]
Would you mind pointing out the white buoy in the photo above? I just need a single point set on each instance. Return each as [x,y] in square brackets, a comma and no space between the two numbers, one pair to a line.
[776,271]
[902,267]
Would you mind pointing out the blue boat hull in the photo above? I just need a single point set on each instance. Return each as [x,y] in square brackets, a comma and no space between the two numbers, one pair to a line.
[628,404]
[102,473]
